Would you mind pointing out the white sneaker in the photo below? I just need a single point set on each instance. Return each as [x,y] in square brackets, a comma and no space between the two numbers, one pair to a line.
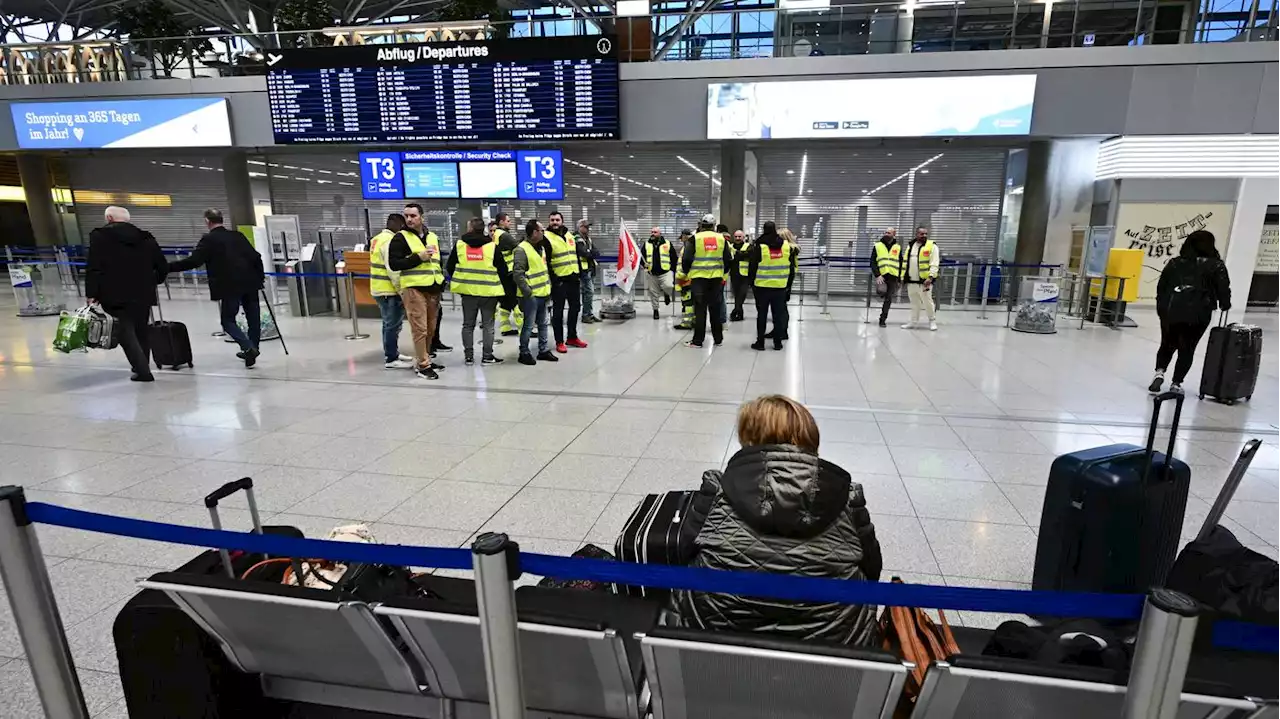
[933,326]
[909,326]
[406,358]
[399,364]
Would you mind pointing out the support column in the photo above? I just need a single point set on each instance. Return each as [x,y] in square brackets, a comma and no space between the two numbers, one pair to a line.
[732,184]
[235,180]
[906,27]
[1044,23]
[37,185]
[1241,256]
[1036,197]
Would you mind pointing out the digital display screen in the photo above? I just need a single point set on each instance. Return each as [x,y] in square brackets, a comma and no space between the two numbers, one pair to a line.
[488,180]
[562,88]
[430,179]
[161,122]
[467,174]
[956,106]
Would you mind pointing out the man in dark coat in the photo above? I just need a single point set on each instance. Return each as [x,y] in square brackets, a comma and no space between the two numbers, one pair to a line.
[125,264]
[235,278]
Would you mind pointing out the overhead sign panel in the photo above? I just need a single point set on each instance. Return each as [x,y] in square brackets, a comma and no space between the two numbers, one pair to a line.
[951,106]
[94,124]
[560,88]
[462,174]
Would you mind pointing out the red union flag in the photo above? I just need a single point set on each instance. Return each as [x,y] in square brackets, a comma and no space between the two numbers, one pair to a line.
[628,259]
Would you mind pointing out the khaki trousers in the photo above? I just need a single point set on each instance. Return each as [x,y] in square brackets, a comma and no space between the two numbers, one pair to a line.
[422,309]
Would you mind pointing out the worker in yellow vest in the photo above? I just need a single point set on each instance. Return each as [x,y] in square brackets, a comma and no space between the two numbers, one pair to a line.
[509,314]
[477,273]
[384,285]
[587,256]
[531,270]
[414,252]
[706,263]
[566,291]
[886,261]
[659,259]
[921,263]
[738,283]
[771,269]
[684,284]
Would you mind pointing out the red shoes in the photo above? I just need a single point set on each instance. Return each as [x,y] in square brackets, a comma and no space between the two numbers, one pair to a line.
[561,348]
[575,342]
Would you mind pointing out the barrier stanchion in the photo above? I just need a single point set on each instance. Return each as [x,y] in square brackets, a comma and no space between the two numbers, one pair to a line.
[824,286]
[1115,308]
[351,307]
[982,291]
[1161,655]
[35,611]
[496,560]
[968,282]
[866,309]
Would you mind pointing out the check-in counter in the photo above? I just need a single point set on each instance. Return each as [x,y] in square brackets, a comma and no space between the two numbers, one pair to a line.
[357,263]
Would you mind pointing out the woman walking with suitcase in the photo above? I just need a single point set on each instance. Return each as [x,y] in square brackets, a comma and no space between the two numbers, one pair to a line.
[1190,287]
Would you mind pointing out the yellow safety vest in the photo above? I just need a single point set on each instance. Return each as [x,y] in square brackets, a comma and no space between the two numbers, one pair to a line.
[475,274]
[584,264]
[927,261]
[708,256]
[661,260]
[887,258]
[536,276]
[380,278]
[743,260]
[564,254]
[774,267]
[427,274]
[507,256]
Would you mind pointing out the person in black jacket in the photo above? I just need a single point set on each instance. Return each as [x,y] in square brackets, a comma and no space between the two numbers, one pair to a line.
[1190,287]
[780,508]
[771,298]
[124,266]
[235,278]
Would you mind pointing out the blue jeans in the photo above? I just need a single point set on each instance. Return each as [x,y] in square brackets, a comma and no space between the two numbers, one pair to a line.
[535,309]
[588,282]
[392,309]
[230,307]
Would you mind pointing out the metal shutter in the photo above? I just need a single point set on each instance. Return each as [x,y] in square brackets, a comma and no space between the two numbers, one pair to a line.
[167,197]
[852,192]
[666,186]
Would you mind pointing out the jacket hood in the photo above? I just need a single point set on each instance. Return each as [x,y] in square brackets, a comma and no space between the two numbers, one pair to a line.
[771,239]
[783,490]
[124,232]
[476,239]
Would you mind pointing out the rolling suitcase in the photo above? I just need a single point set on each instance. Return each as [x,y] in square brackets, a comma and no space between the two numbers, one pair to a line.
[170,343]
[1232,358]
[661,530]
[170,668]
[1113,515]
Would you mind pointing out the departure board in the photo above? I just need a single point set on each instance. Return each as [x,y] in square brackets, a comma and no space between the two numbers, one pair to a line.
[563,88]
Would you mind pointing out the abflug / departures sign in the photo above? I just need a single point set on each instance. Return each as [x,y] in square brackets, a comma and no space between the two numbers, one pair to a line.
[483,90]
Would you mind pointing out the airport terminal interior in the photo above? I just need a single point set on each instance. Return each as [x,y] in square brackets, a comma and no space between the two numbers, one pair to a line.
[1050,158]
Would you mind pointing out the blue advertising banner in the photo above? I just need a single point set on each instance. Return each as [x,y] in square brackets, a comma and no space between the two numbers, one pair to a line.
[94,124]
[465,174]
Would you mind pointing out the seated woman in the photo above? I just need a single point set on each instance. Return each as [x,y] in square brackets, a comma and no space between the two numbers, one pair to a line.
[779,508]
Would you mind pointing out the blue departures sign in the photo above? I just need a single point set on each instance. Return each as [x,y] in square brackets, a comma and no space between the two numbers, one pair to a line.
[466,174]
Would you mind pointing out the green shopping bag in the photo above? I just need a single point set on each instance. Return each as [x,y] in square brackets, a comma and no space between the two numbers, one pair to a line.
[73,331]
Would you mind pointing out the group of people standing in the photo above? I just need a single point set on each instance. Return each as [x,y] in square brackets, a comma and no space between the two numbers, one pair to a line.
[515,283]
[916,266]
[711,258]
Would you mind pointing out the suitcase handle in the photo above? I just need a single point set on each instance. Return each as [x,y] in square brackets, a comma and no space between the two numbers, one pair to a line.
[221,493]
[1222,318]
[1159,400]
[1229,487]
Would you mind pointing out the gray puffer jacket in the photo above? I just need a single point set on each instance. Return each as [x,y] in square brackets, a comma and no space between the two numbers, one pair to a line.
[781,509]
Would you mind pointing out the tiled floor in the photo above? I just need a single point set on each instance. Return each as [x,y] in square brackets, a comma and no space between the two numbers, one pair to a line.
[950,433]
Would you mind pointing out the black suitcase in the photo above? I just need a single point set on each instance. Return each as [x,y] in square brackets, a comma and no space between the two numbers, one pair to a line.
[1113,515]
[1231,362]
[661,530]
[170,668]
[170,343]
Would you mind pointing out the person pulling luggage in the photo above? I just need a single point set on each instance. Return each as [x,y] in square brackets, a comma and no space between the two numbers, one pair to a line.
[1191,285]
[124,266]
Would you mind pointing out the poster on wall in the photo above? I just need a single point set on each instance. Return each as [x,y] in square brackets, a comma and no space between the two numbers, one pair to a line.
[1159,228]
[1269,250]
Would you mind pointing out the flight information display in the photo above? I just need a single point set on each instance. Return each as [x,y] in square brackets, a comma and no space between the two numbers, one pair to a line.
[562,88]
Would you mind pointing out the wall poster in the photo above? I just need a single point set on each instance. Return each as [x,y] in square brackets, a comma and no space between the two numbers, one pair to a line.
[1159,228]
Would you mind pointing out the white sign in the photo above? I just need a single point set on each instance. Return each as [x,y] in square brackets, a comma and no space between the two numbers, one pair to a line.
[1044,292]
[1268,250]
[610,276]
[1159,228]
[19,276]
[939,107]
